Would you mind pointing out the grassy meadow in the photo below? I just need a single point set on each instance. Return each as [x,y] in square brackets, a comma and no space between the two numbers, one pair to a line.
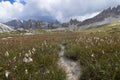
[98,52]
[30,58]
[35,57]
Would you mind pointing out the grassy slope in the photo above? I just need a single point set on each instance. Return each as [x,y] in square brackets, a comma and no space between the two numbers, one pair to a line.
[106,28]
[98,51]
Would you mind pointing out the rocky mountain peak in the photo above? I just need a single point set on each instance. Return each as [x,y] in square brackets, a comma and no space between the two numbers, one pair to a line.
[111,12]
[31,24]
[74,21]
[107,13]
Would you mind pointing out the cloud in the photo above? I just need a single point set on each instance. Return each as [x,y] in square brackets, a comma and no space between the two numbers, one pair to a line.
[10,11]
[62,10]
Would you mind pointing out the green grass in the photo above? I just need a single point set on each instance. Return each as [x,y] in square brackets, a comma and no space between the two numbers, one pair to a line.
[41,49]
[97,50]
[109,28]
[98,54]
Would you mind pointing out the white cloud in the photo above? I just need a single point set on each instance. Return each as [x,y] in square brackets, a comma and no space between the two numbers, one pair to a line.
[86,16]
[62,10]
[66,9]
[10,11]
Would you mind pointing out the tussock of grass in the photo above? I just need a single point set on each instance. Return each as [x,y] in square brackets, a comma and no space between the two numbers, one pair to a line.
[98,54]
[30,58]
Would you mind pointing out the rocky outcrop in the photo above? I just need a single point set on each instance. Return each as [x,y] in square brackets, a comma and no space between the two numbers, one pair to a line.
[31,24]
[5,28]
[106,16]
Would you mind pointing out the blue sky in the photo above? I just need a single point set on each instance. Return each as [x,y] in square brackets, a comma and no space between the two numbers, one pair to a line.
[62,10]
[12,1]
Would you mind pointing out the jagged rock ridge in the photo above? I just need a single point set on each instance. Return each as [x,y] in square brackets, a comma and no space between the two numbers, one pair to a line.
[31,24]
[110,12]
[107,16]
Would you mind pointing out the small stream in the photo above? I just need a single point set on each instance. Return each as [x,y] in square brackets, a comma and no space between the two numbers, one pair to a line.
[72,68]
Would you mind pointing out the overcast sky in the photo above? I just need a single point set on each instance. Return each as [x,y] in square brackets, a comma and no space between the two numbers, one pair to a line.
[62,10]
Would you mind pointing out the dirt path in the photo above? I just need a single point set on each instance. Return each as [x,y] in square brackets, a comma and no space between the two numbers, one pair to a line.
[71,67]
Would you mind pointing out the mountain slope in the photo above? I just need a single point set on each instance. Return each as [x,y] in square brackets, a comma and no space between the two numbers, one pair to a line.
[105,17]
[5,28]
[31,24]
[109,28]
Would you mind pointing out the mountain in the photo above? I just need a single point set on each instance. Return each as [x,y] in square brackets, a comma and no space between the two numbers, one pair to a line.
[107,16]
[15,24]
[31,24]
[71,25]
[5,28]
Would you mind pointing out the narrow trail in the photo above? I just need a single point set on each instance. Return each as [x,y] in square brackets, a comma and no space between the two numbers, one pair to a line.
[71,67]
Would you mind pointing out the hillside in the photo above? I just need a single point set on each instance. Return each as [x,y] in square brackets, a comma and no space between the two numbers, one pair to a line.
[5,28]
[108,28]
[107,16]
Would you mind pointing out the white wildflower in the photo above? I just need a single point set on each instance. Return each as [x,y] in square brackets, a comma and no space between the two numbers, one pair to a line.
[4,38]
[7,73]
[14,58]
[101,40]
[92,55]
[86,47]
[26,55]
[6,53]
[32,52]
[29,53]
[42,44]
[45,42]
[27,59]
[33,49]
[15,68]
[47,71]
[99,31]
[20,54]
[9,37]
[96,38]
[103,52]
[26,71]
[30,59]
